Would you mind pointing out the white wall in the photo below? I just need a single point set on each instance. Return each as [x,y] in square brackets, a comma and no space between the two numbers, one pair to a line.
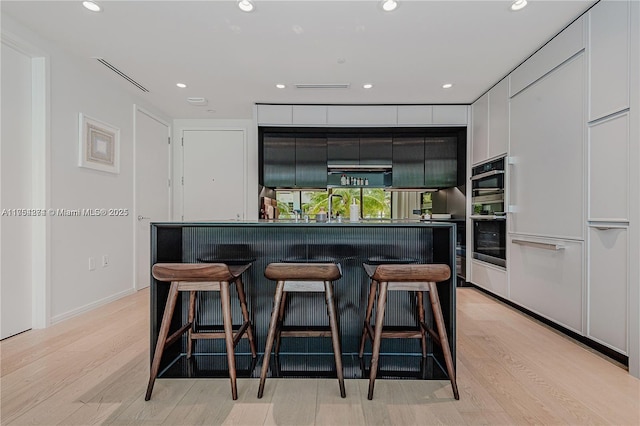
[634,198]
[15,192]
[82,85]
[251,177]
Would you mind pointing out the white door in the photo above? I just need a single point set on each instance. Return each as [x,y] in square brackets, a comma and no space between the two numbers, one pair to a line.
[152,186]
[213,170]
[15,193]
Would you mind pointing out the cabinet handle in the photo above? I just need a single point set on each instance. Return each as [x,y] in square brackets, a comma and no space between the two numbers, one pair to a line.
[608,227]
[545,246]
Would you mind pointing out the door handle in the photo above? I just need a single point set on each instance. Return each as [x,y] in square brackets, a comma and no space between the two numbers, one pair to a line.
[142,217]
[545,246]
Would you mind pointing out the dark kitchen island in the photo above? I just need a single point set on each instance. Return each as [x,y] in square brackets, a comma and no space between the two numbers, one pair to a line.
[350,244]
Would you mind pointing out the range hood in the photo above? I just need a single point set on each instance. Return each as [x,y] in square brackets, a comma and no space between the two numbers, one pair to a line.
[359,167]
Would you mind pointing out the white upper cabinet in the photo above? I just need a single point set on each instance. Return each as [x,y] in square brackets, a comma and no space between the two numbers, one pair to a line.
[415,115]
[546,181]
[559,49]
[490,124]
[609,169]
[362,115]
[451,115]
[310,114]
[499,119]
[480,129]
[275,114]
[608,58]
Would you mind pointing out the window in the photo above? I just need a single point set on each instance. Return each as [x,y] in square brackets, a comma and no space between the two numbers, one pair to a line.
[375,202]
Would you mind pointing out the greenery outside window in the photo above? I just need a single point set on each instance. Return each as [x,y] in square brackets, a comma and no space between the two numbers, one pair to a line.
[375,203]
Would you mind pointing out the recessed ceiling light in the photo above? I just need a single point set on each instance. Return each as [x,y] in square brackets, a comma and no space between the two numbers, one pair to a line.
[518,4]
[181,85]
[245,5]
[367,86]
[447,86]
[211,111]
[92,6]
[389,5]
[280,86]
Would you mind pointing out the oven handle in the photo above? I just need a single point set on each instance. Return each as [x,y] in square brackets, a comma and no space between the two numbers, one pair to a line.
[486,217]
[545,246]
[487,174]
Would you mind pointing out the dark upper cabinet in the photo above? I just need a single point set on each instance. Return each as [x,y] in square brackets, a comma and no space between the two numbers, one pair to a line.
[343,149]
[408,161]
[311,161]
[278,160]
[420,158]
[376,149]
[441,161]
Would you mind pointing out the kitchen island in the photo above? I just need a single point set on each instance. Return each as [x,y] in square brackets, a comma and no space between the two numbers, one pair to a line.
[263,242]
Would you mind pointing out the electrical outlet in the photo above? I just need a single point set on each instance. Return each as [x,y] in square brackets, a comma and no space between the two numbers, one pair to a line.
[92,263]
[105,261]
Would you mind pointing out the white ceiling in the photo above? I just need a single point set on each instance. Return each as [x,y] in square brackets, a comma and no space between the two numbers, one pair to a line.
[234,59]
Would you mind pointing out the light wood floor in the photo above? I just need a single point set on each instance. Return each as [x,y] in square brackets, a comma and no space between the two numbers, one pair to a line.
[94,368]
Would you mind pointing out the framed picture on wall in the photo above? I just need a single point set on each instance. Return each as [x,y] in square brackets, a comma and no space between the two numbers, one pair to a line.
[99,145]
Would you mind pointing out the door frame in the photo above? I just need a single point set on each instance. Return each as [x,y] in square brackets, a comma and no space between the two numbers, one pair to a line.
[134,217]
[41,176]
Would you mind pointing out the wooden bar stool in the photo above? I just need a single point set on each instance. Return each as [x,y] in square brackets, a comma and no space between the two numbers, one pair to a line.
[409,277]
[302,277]
[195,277]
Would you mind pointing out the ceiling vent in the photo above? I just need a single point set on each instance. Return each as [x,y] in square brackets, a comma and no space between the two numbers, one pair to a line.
[323,86]
[123,75]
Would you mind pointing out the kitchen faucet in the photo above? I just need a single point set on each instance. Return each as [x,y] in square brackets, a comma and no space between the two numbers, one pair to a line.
[331,204]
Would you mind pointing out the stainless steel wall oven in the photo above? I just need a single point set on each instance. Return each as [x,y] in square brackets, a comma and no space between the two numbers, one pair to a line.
[488,218]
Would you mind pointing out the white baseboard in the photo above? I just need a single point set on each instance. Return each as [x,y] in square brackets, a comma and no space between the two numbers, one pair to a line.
[90,306]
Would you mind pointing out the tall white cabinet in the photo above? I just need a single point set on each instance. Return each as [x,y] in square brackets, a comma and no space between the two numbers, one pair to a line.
[546,189]
[609,174]
[573,126]
[546,186]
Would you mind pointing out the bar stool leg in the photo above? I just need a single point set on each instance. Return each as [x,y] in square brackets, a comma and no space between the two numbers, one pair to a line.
[271,335]
[382,301]
[192,317]
[225,301]
[335,334]
[442,333]
[281,310]
[162,336]
[367,318]
[421,319]
[245,315]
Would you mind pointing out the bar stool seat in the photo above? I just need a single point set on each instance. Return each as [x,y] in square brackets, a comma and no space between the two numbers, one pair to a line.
[302,277]
[408,277]
[195,277]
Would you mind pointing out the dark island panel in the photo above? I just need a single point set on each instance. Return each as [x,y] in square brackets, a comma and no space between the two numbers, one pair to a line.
[346,243]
